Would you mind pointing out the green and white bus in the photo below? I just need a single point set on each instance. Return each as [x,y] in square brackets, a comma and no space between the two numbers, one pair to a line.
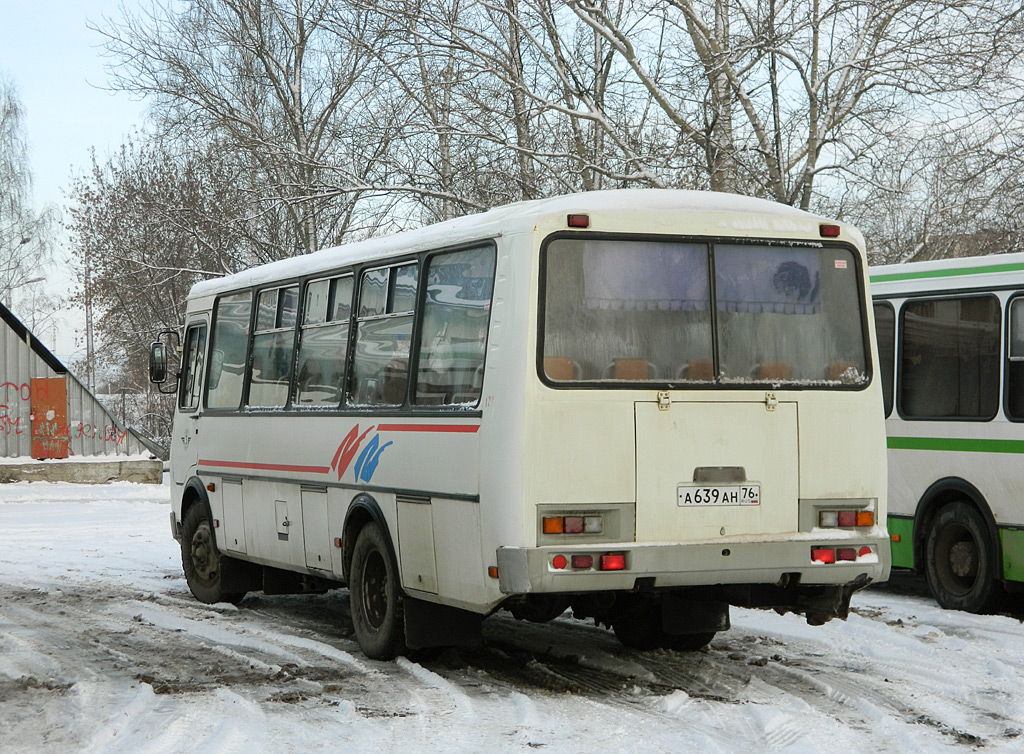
[951,345]
[643,406]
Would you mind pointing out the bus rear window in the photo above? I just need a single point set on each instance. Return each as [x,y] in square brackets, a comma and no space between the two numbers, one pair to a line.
[665,312]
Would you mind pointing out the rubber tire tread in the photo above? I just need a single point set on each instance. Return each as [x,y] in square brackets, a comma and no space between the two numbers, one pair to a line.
[212,592]
[387,641]
[985,593]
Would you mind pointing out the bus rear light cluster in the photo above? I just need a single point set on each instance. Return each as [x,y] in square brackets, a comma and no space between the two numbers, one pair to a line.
[839,554]
[848,519]
[573,525]
[608,562]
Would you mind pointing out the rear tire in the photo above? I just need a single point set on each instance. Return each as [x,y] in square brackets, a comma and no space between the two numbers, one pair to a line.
[201,560]
[959,558]
[376,597]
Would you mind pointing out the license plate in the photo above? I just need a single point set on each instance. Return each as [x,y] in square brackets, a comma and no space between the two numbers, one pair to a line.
[729,494]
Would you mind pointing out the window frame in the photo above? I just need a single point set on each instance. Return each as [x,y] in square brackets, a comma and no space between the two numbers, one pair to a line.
[214,320]
[710,242]
[417,346]
[255,332]
[901,341]
[302,327]
[1012,298]
[890,379]
[357,320]
[355,272]
[188,368]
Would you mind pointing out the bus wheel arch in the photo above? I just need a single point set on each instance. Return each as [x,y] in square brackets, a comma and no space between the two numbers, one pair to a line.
[194,494]
[362,511]
[956,546]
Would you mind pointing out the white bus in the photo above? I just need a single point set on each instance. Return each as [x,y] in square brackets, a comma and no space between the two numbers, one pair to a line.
[951,343]
[642,405]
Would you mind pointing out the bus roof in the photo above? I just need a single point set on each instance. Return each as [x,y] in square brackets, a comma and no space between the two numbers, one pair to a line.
[992,271]
[711,213]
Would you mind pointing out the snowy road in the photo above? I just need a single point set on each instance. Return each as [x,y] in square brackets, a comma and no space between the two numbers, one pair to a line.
[103,649]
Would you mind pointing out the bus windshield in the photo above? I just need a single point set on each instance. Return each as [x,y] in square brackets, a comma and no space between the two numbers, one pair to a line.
[666,312]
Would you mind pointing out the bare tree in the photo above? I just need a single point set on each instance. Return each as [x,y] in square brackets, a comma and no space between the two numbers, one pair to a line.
[266,83]
[778,94]
[147,225]
[25,235]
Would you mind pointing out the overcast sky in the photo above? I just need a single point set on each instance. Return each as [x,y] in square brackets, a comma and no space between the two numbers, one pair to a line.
[56,65]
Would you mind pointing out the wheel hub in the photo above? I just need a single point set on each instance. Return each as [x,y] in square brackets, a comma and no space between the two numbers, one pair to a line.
[203,556]
[375,598]
[962,559]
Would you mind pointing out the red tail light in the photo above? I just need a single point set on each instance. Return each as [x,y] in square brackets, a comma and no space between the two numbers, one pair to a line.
[823,555]
[613,562]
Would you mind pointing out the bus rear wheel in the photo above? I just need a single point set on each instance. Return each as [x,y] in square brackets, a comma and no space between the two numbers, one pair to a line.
[959,560]
[201,560]
[376,599]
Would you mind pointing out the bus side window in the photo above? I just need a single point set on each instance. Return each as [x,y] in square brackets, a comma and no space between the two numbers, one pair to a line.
[885,328]
[1015,361]
[380,365]
[949,356]
[323,342]
[272,347]
[192,367]
[453,338]
[228,349]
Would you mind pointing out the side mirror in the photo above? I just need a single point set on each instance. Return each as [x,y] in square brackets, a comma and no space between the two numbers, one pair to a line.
[159,370]
[157,363]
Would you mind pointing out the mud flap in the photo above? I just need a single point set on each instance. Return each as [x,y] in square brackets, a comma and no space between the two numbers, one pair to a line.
[821,604]
[430,625]
[687,616]
[240,576]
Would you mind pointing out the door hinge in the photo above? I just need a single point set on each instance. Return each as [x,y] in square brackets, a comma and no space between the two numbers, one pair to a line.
[770,401]
[664,400]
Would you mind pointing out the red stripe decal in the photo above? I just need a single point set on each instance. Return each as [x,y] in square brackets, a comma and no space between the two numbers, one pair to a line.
[266,466]
[428,427]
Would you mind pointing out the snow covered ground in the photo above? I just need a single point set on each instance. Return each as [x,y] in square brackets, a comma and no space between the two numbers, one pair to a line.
[103,649]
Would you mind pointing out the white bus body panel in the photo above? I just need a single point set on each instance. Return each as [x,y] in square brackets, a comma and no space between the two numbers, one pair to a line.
[462,493]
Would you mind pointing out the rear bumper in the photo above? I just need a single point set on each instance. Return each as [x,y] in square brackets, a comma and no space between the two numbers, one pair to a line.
[524,570]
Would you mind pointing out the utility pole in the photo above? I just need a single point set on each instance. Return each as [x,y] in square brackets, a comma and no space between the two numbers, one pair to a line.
[90,373]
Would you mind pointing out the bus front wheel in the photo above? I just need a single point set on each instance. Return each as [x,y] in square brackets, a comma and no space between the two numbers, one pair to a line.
[201,560]
[959,560]
[376,599]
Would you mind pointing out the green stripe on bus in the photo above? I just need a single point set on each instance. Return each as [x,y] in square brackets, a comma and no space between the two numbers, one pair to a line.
[901,535]
[1012,540]
[947,273]
[964,445]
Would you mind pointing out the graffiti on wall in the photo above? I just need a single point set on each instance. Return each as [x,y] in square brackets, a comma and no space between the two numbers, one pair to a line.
[15,405]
